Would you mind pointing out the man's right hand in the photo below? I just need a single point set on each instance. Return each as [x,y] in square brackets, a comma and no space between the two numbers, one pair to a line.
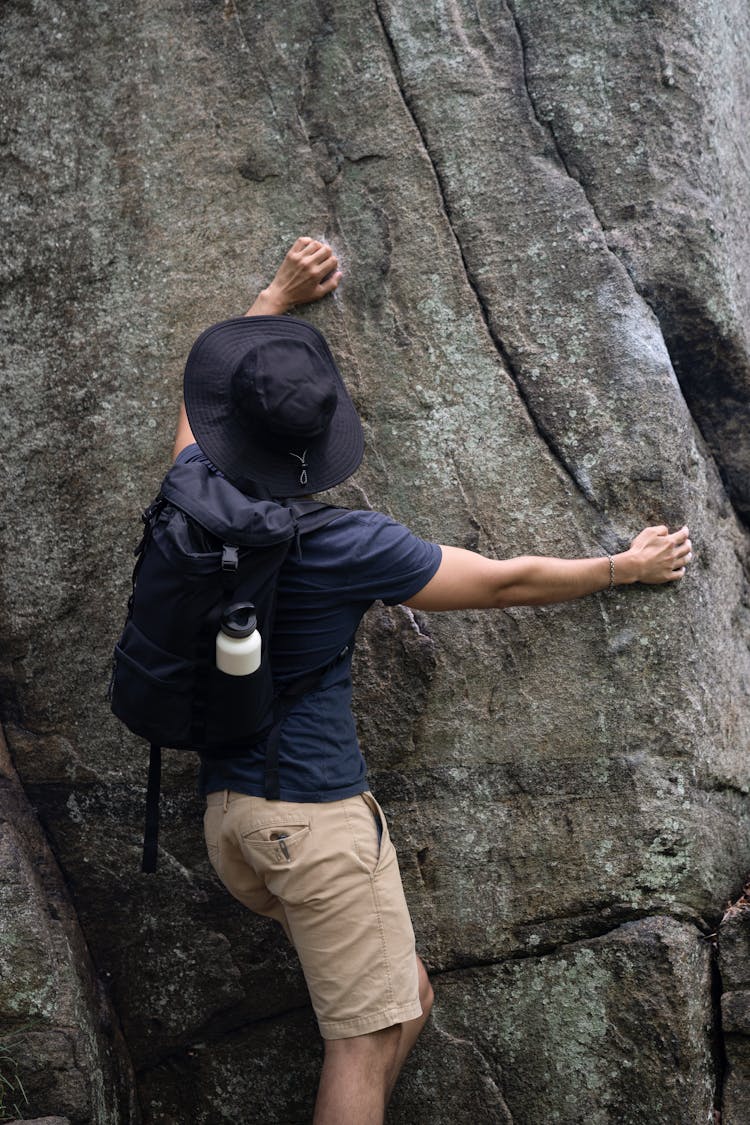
[309,271]
[656,556]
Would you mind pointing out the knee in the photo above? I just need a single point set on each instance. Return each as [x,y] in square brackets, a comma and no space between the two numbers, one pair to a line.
[374,1051]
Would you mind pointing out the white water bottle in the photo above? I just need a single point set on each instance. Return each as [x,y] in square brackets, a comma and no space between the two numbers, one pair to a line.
[238,641]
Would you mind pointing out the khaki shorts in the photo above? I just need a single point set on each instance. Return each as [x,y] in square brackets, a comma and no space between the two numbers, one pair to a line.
[321,871]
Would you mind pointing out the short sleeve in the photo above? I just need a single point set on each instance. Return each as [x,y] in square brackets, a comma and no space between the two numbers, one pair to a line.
[192,453]
[391,564]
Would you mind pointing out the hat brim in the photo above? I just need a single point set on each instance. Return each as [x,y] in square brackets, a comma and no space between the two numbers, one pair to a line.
[224,437]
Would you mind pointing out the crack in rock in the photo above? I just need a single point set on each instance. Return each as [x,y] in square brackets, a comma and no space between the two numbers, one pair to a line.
[471,511]
[549,131]
[558,458]
[550,949]
[201,1036]
[546,126]
[416,623]
[231,12]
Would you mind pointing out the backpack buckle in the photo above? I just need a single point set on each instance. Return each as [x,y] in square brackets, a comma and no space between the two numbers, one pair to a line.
[149,518]
[153,509]
[230,557]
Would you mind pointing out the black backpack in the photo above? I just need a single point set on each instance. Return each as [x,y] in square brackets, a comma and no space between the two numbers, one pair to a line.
[206,546]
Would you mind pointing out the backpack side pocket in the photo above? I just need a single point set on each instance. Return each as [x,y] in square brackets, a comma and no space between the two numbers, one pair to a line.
[152,689]
[240,706]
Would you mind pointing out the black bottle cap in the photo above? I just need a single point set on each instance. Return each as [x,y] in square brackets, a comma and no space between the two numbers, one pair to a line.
[239,620]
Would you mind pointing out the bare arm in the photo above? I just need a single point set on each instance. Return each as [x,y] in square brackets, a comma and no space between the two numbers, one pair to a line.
[465,580]
[308,272]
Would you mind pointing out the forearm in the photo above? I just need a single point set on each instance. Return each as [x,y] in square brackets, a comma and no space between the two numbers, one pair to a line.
[542,580]
[269,302]
[466,580]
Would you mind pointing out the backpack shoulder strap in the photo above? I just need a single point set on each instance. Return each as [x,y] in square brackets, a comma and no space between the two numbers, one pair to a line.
[309,515]
[307,510]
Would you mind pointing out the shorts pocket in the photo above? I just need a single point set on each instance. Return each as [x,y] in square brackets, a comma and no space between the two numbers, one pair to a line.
[371,837]
[271,845]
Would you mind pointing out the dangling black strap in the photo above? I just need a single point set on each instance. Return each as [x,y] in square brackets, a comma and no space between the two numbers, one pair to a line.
[285,701]
[151,833]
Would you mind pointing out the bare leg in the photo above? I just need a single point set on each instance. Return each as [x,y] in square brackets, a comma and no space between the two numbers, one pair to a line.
[411,1029]
[355,1078]
[359,1073]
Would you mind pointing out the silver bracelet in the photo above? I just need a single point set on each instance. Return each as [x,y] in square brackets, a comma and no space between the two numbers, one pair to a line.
[611,573]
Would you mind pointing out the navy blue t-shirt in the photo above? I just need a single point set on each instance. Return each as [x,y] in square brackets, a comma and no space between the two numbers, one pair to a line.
[359,558]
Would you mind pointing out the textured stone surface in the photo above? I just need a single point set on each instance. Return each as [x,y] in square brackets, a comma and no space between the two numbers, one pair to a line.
[60,1046]
[42,1121]
[649,117]
[734,967]
[617,1028]
[613,1029]
[507,222]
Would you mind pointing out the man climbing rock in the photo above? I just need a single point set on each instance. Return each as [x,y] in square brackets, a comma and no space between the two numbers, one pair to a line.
[265,403]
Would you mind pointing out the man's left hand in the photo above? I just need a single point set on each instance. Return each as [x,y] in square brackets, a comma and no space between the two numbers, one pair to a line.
[309,272]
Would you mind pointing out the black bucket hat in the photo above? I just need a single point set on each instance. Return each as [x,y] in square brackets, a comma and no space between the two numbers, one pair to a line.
[268,406]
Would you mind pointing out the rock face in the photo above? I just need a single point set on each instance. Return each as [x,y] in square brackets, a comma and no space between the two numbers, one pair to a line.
[60,1046]
[542,215]
[734,965]
[42,1121]
[616,1028]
